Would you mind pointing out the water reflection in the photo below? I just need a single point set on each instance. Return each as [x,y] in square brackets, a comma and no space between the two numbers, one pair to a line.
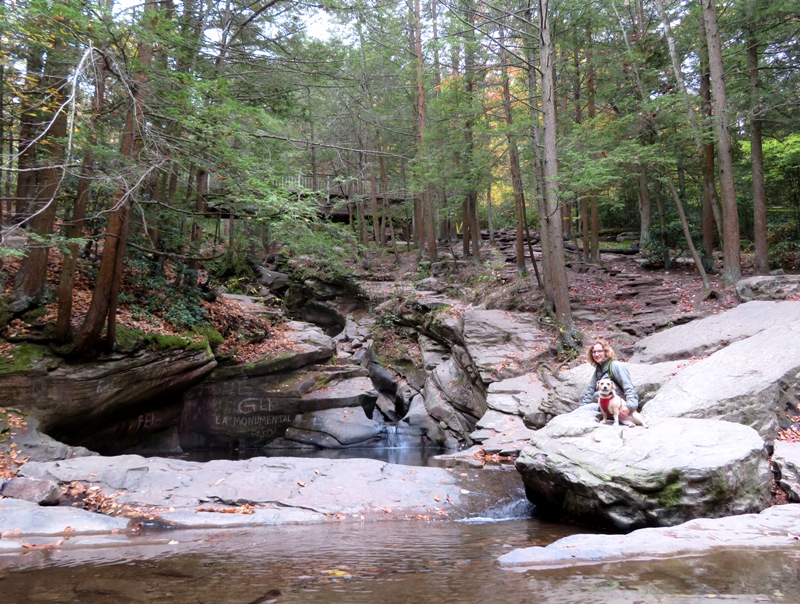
[387,562]
[407,456]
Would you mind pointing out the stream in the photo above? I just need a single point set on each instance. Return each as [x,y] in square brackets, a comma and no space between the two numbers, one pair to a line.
[404,562]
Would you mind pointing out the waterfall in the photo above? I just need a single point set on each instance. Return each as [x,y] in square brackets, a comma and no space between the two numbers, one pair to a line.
[392,436]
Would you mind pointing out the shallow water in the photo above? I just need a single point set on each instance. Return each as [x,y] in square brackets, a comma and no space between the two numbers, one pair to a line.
[386,562]
[403,562]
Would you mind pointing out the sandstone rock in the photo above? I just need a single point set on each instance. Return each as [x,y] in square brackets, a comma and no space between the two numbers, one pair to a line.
[23,518]
[42,492]
[623,478]
[308,345]
[750,382]
[76,399]
[703,337]
[250,411]
[774,527]
[35,446]
[281,489]
[572,383]
[274,280]
[786,459]
[767,287]
[335,428]
[504,344]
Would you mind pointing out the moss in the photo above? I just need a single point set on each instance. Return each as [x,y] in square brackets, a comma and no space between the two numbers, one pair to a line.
[21,357]
[212,335]
[162,342]
[716,489]
[671,496]
[127,339]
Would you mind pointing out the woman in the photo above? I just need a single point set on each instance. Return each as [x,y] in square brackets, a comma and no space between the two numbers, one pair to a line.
[604,359]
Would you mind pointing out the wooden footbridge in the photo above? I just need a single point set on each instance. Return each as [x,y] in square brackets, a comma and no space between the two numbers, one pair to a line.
[336,196]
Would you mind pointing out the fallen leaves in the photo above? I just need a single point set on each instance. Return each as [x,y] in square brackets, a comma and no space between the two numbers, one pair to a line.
[92,498]
[245,508]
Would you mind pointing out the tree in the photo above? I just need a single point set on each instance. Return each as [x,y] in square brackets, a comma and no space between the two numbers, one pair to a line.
[731,251]
[553,262]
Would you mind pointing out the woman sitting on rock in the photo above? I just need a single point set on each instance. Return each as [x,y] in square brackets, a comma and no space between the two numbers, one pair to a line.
[606,365]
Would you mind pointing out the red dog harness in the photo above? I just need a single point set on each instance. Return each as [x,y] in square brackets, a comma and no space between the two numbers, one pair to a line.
[623,411]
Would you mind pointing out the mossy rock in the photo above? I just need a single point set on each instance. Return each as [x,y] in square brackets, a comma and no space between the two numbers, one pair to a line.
[212,335]
[671,496]
[19,358]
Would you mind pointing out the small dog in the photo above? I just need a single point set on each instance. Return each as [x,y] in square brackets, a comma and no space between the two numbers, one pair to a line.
[611,404]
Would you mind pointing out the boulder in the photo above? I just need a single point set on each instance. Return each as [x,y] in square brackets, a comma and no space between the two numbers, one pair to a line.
[775,527]
[273,280]
[335,428]
[516,396]
[786,461]
[42,492]
[24,518]
[418,417]
[579,470]
[30,443]
[767,287]
[752,381]
[500,433]
[568,391]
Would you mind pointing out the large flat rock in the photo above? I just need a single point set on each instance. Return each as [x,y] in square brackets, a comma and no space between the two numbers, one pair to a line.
[277,489]
[703,337]
[750,382]
[774,527]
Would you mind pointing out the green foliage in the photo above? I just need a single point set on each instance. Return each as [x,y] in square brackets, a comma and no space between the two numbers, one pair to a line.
[153,298]
[316,250]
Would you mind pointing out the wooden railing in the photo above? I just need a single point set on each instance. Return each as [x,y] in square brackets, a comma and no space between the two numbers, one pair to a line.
[333,186]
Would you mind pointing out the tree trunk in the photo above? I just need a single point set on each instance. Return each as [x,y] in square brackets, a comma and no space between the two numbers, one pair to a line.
[644,207]
[761,263]
[591,110]
[553,260]
[513,162]
[429,233]
[687,233]
[74,228]
[31,279]
[31,99]
[731,252]
[104,298]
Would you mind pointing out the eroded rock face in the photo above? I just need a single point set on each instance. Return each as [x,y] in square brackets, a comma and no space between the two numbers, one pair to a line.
[579,470]
[335,428]
[250,411]
[504,344]
[76,399]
